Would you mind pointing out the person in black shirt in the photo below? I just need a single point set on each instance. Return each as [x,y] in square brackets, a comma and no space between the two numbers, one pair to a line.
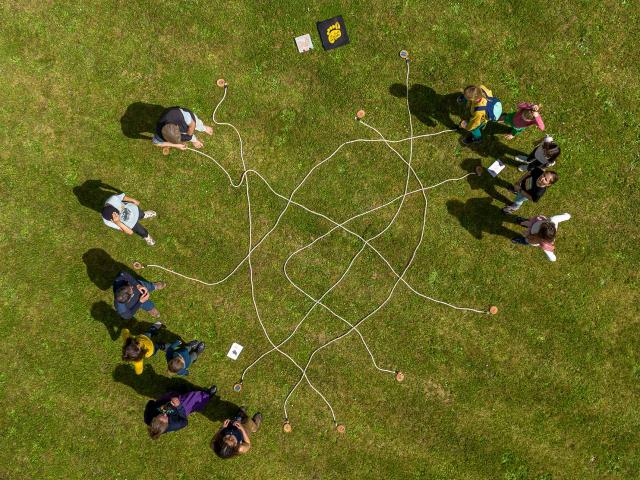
[233,438]
[131,293]
[177,125]
[531,187]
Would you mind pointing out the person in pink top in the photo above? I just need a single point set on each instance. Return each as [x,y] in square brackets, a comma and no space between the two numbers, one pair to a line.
[541,232]
[527,114]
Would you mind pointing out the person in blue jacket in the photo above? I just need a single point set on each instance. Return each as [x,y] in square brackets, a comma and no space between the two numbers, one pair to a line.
[131,293]
[181,356]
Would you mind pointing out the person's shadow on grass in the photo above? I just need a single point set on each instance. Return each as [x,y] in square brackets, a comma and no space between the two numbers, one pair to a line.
[485,181]
[428,106]
[93,193]
[152,385]
[139,120]
[106,314]
[102,269]
[478,215]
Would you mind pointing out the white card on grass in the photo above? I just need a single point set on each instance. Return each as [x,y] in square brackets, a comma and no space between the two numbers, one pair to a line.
[303,42]
[234,351]
[495,168]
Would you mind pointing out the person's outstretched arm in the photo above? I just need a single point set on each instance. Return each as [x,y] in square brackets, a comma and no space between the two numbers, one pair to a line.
[556,219]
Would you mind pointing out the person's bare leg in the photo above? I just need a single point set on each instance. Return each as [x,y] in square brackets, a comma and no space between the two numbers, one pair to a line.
[154,312]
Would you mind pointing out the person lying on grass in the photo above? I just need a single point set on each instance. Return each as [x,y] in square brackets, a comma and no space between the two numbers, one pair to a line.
[541,232]
[131,293]
[233,438]
[169,412]
[123,213]
[136,348]
[181,356]
[531,186]
[177,125]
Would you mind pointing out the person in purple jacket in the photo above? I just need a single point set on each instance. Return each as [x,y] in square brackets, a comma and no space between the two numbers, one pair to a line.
[169,412]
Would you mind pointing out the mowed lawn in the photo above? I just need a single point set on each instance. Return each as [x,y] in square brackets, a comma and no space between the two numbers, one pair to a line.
[547,389]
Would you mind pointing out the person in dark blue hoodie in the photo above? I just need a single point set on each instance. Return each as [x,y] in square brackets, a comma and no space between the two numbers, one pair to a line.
[131,293]
[181,356]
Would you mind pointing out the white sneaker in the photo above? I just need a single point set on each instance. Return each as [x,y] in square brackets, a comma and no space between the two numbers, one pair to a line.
[149,214]
[522,159]
[150,241]
[523,168]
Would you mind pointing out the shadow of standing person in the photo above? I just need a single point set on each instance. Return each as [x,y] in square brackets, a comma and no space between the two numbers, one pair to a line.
[478,215]
[485,181]
[426,105]
[140,118]
[93,193]
[102,269]
[150,384]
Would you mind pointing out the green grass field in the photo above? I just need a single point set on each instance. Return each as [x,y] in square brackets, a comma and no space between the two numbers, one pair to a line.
[547,389]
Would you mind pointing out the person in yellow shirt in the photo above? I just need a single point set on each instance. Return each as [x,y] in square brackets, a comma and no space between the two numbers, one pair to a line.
[477,99]
[136,348]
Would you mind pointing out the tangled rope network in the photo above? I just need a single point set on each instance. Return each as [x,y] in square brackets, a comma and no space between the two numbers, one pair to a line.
[252,245]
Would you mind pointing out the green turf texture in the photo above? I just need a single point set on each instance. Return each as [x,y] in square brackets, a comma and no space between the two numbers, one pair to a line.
[548,389]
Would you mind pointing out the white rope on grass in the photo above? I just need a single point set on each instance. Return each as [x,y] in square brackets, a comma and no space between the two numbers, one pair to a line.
[244,179]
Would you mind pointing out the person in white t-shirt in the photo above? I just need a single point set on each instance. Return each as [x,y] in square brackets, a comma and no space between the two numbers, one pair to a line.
[123,213]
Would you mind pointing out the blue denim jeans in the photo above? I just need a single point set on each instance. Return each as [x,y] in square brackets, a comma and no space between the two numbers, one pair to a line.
[519,200]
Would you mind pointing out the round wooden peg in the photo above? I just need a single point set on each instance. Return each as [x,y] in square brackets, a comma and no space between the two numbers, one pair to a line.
[341,428]
[237,387]
[404,54]
[137,266]
[399,376]
[493,310]
[286,427]
[221,83]
[479,170]
[360,114]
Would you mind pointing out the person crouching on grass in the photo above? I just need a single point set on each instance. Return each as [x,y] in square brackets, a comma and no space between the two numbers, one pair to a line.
[136,348]
[233,438]
[169,413]
[531,187]
[177,125]
[541,232]
[181,356]
[131,293]
[123,213]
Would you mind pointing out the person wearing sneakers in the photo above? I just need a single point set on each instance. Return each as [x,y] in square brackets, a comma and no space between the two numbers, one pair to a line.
[541,232]
[181,356]
[480,102]
[531,187]
[233,438]
[131,293]
[177,125]
[544,155]
[123,213]
[136,348]
[169,413]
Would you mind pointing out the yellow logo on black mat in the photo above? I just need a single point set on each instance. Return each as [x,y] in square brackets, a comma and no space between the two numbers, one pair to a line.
[333,32]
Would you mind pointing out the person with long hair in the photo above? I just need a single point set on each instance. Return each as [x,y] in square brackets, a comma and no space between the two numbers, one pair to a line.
[541,232]
[138,347]
[531,186]
[233,438]
[543,156]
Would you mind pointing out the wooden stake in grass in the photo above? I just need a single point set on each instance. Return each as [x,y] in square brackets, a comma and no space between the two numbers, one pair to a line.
[479,170]
[493,310]
[137,266]
[360,114]
[237,387]
[341,428]
[404,55]
[399,376]
[286,427]
[221,83]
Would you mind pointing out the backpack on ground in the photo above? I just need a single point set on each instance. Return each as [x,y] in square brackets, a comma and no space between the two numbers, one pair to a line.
[493,107]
